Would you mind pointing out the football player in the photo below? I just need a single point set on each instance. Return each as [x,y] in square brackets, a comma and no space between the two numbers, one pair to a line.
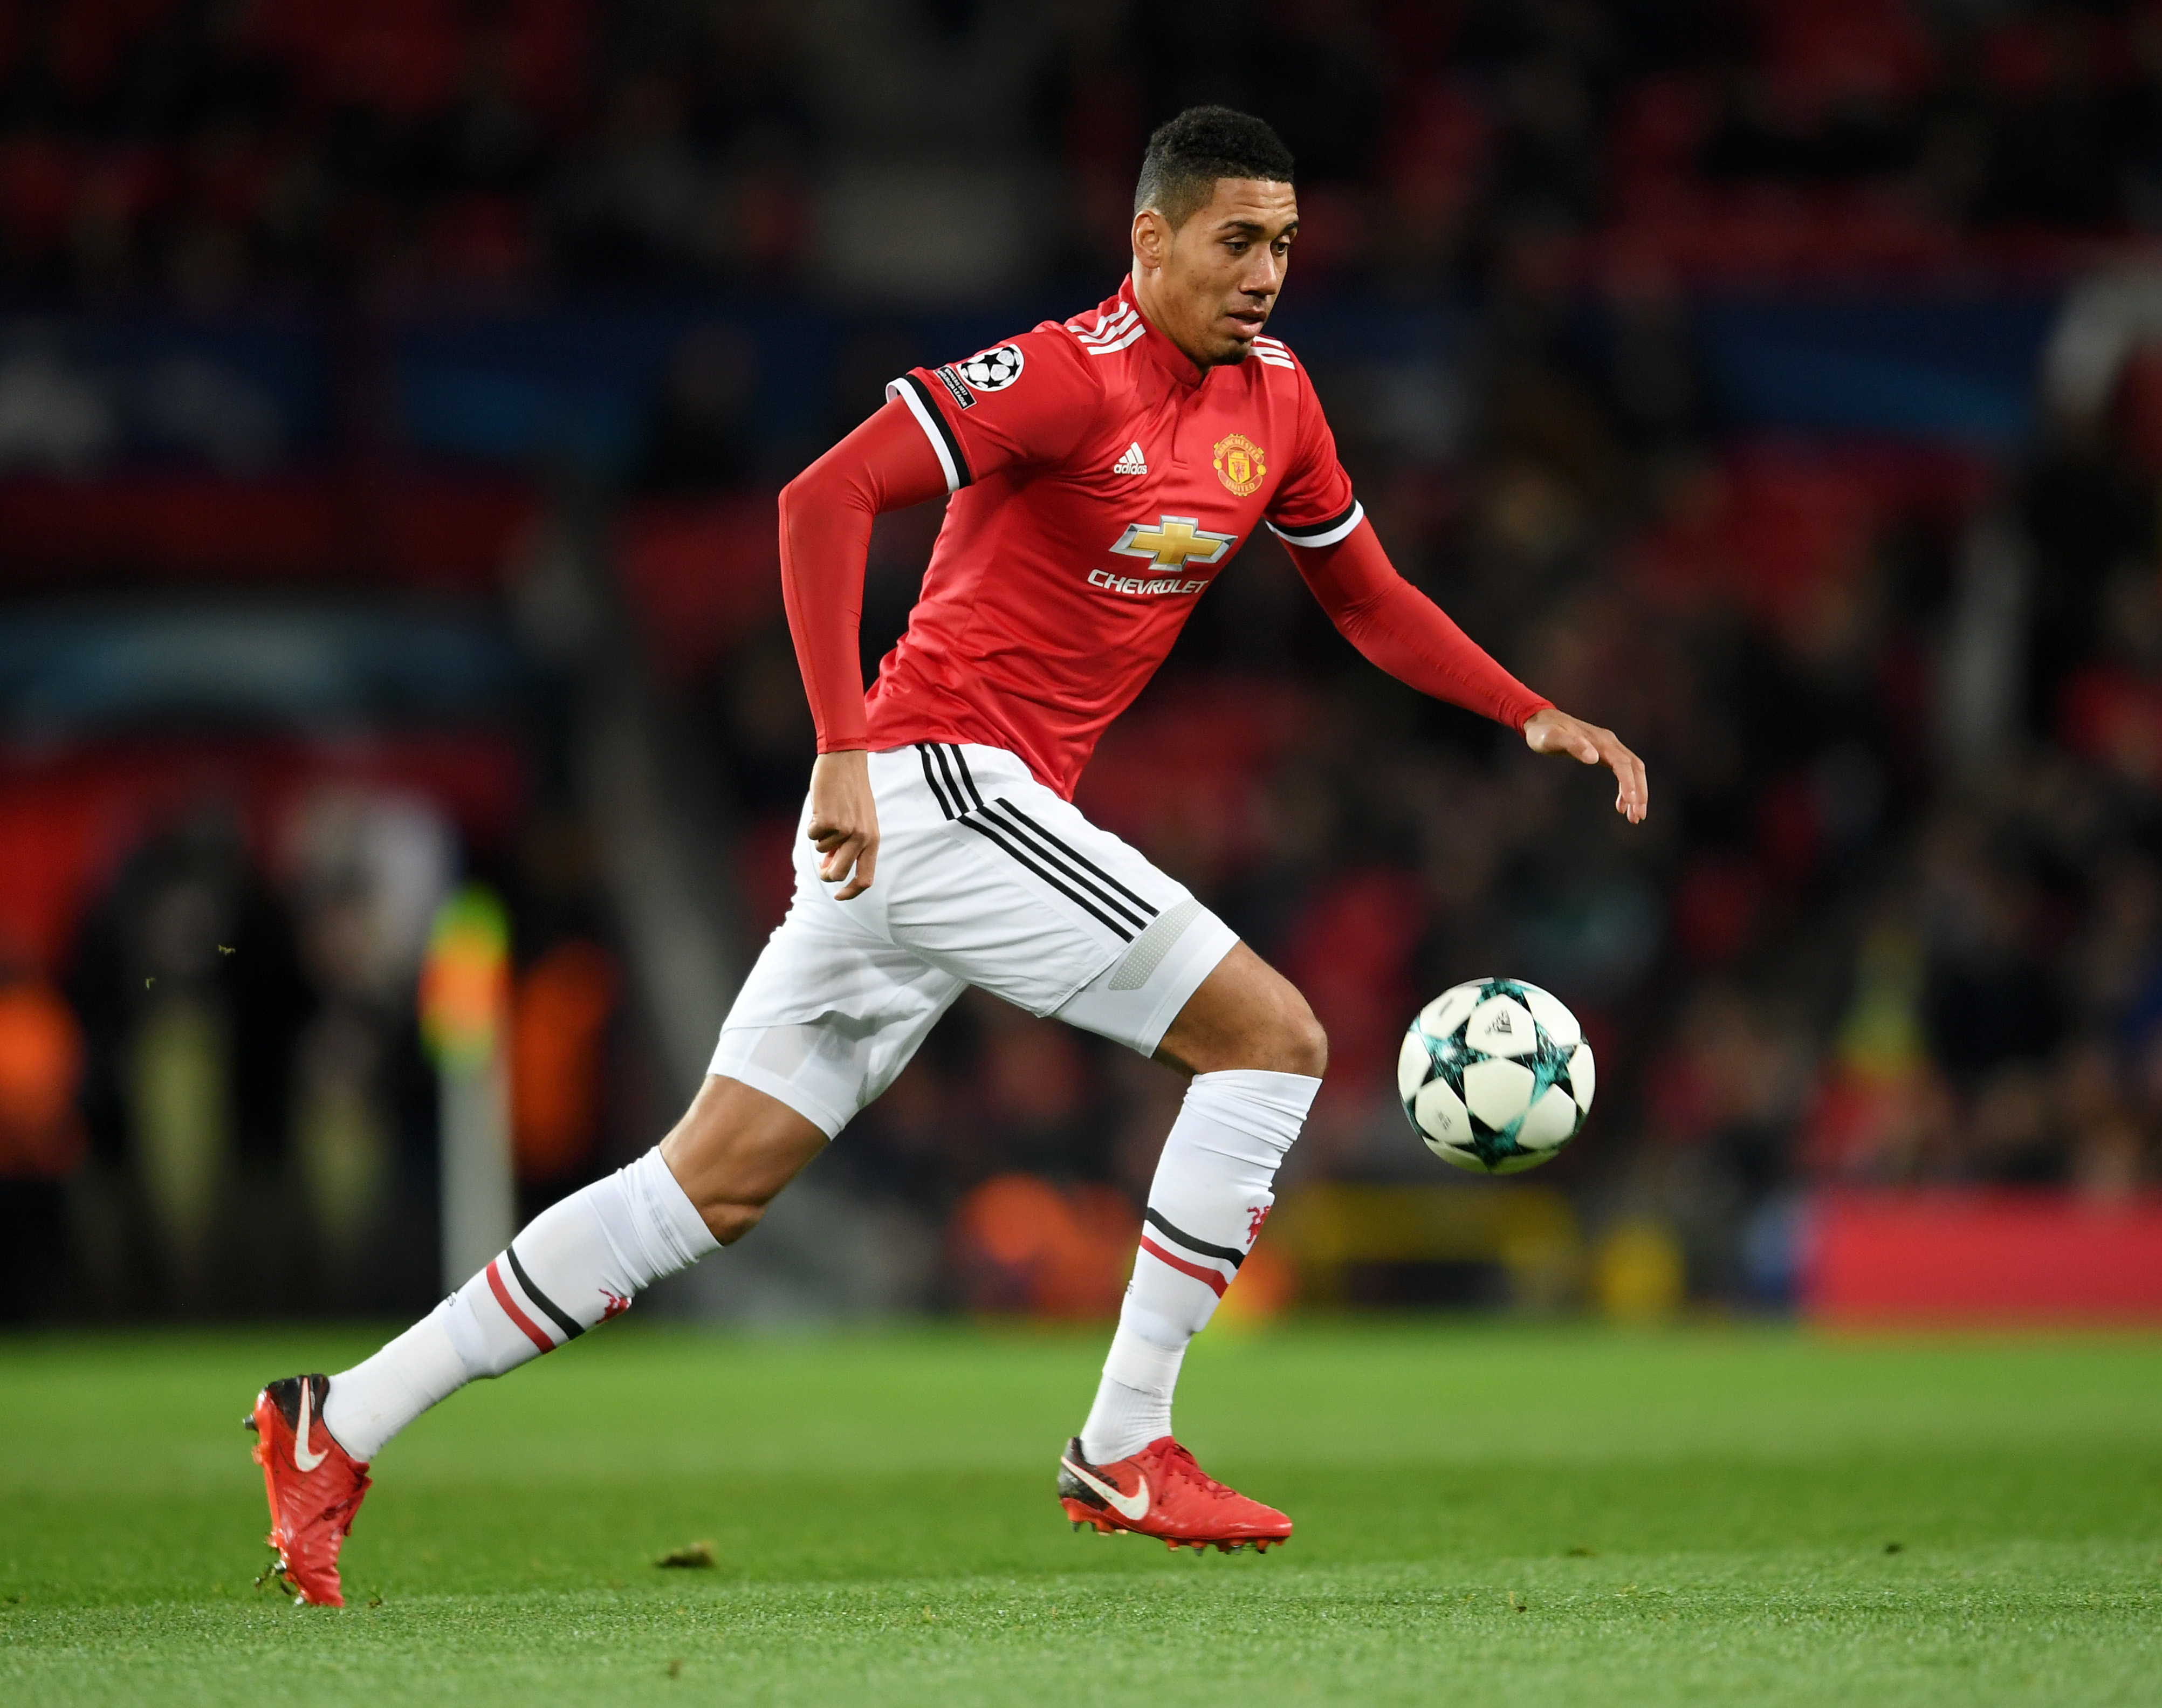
[1099,473]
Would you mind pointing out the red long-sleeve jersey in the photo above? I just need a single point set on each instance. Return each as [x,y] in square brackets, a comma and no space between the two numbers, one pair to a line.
[1100,482]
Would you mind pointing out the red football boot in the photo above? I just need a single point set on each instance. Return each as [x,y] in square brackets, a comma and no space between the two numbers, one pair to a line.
[1162,1492]
[315,1487]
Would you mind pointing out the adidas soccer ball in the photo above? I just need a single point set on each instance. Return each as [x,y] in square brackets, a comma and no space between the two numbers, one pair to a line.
[1495,1076]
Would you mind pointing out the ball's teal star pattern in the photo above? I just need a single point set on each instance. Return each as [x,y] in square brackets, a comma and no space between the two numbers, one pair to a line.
[1495,1149]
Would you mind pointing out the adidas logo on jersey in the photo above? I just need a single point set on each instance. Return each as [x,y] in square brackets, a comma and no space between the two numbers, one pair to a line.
[1133,462]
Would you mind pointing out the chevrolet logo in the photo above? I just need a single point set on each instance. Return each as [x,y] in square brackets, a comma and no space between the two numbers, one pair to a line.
[1174,542]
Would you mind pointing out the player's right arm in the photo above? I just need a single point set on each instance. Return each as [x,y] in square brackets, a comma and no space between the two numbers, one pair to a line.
[938,431]
[826,515]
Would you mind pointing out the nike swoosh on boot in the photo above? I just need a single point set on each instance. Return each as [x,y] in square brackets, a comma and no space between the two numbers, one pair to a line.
[1134,1507]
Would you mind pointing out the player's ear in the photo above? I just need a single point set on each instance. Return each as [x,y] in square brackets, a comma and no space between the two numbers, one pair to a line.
[1151,237]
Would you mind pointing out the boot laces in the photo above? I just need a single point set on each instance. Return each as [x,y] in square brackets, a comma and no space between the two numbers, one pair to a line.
[1179,1463]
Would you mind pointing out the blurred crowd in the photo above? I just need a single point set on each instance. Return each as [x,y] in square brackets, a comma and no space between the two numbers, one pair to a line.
[218,1101]
[211,149]
[1897,917]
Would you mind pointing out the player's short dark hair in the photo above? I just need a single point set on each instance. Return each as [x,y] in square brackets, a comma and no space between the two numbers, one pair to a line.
[1188,153]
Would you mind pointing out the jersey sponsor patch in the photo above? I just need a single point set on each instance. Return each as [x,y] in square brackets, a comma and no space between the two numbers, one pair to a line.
[1238,465]
[993,370]
[951,379]
[1144,587]
[1173,542]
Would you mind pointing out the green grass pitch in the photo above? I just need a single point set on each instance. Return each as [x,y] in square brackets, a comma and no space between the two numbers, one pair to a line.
[1485,1515]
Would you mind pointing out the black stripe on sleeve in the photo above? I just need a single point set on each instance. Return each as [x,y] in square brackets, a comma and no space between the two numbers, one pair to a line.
[1314,530]
[1064,867]
[975,794]
[923,753]
[945,431]
[1233,1258]
[570,1326]
[1015,854]
[1079,858]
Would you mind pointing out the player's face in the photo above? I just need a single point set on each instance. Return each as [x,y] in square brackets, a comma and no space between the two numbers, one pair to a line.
[1219,273]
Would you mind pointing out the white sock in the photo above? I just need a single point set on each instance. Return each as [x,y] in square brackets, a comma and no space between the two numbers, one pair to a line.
[578,1263]
[1212,1189]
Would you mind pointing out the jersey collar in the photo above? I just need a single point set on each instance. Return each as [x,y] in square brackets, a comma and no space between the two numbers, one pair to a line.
[1166,355]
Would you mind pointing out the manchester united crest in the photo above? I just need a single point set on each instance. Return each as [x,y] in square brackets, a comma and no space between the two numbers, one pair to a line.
[1239,464]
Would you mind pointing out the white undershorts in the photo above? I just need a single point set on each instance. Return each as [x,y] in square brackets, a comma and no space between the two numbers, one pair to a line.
[984,877]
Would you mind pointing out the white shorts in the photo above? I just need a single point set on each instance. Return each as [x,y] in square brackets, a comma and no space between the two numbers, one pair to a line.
[984,877]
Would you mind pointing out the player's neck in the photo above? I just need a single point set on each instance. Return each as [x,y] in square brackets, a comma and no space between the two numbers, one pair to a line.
[1148,298]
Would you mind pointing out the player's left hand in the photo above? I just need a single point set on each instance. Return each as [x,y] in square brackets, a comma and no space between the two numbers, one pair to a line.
[1557,732]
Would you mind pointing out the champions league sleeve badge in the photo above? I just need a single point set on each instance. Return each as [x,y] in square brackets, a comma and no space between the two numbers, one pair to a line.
[994,370]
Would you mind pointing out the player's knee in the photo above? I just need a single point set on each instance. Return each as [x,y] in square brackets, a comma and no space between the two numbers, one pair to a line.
[1289,1039]
[1247,1015]
[1299,1044]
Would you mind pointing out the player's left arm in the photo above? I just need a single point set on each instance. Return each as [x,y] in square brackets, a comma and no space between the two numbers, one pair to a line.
[1400,629]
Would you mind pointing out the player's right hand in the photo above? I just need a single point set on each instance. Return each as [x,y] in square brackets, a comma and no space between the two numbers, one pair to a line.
[844,821]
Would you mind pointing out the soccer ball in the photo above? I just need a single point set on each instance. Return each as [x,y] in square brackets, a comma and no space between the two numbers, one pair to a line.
[1495,1076]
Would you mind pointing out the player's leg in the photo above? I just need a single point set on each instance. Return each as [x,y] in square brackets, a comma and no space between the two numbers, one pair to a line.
[583,1259]
[579,1262]
[1257,1054]
[1056,915]
[831,1013]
